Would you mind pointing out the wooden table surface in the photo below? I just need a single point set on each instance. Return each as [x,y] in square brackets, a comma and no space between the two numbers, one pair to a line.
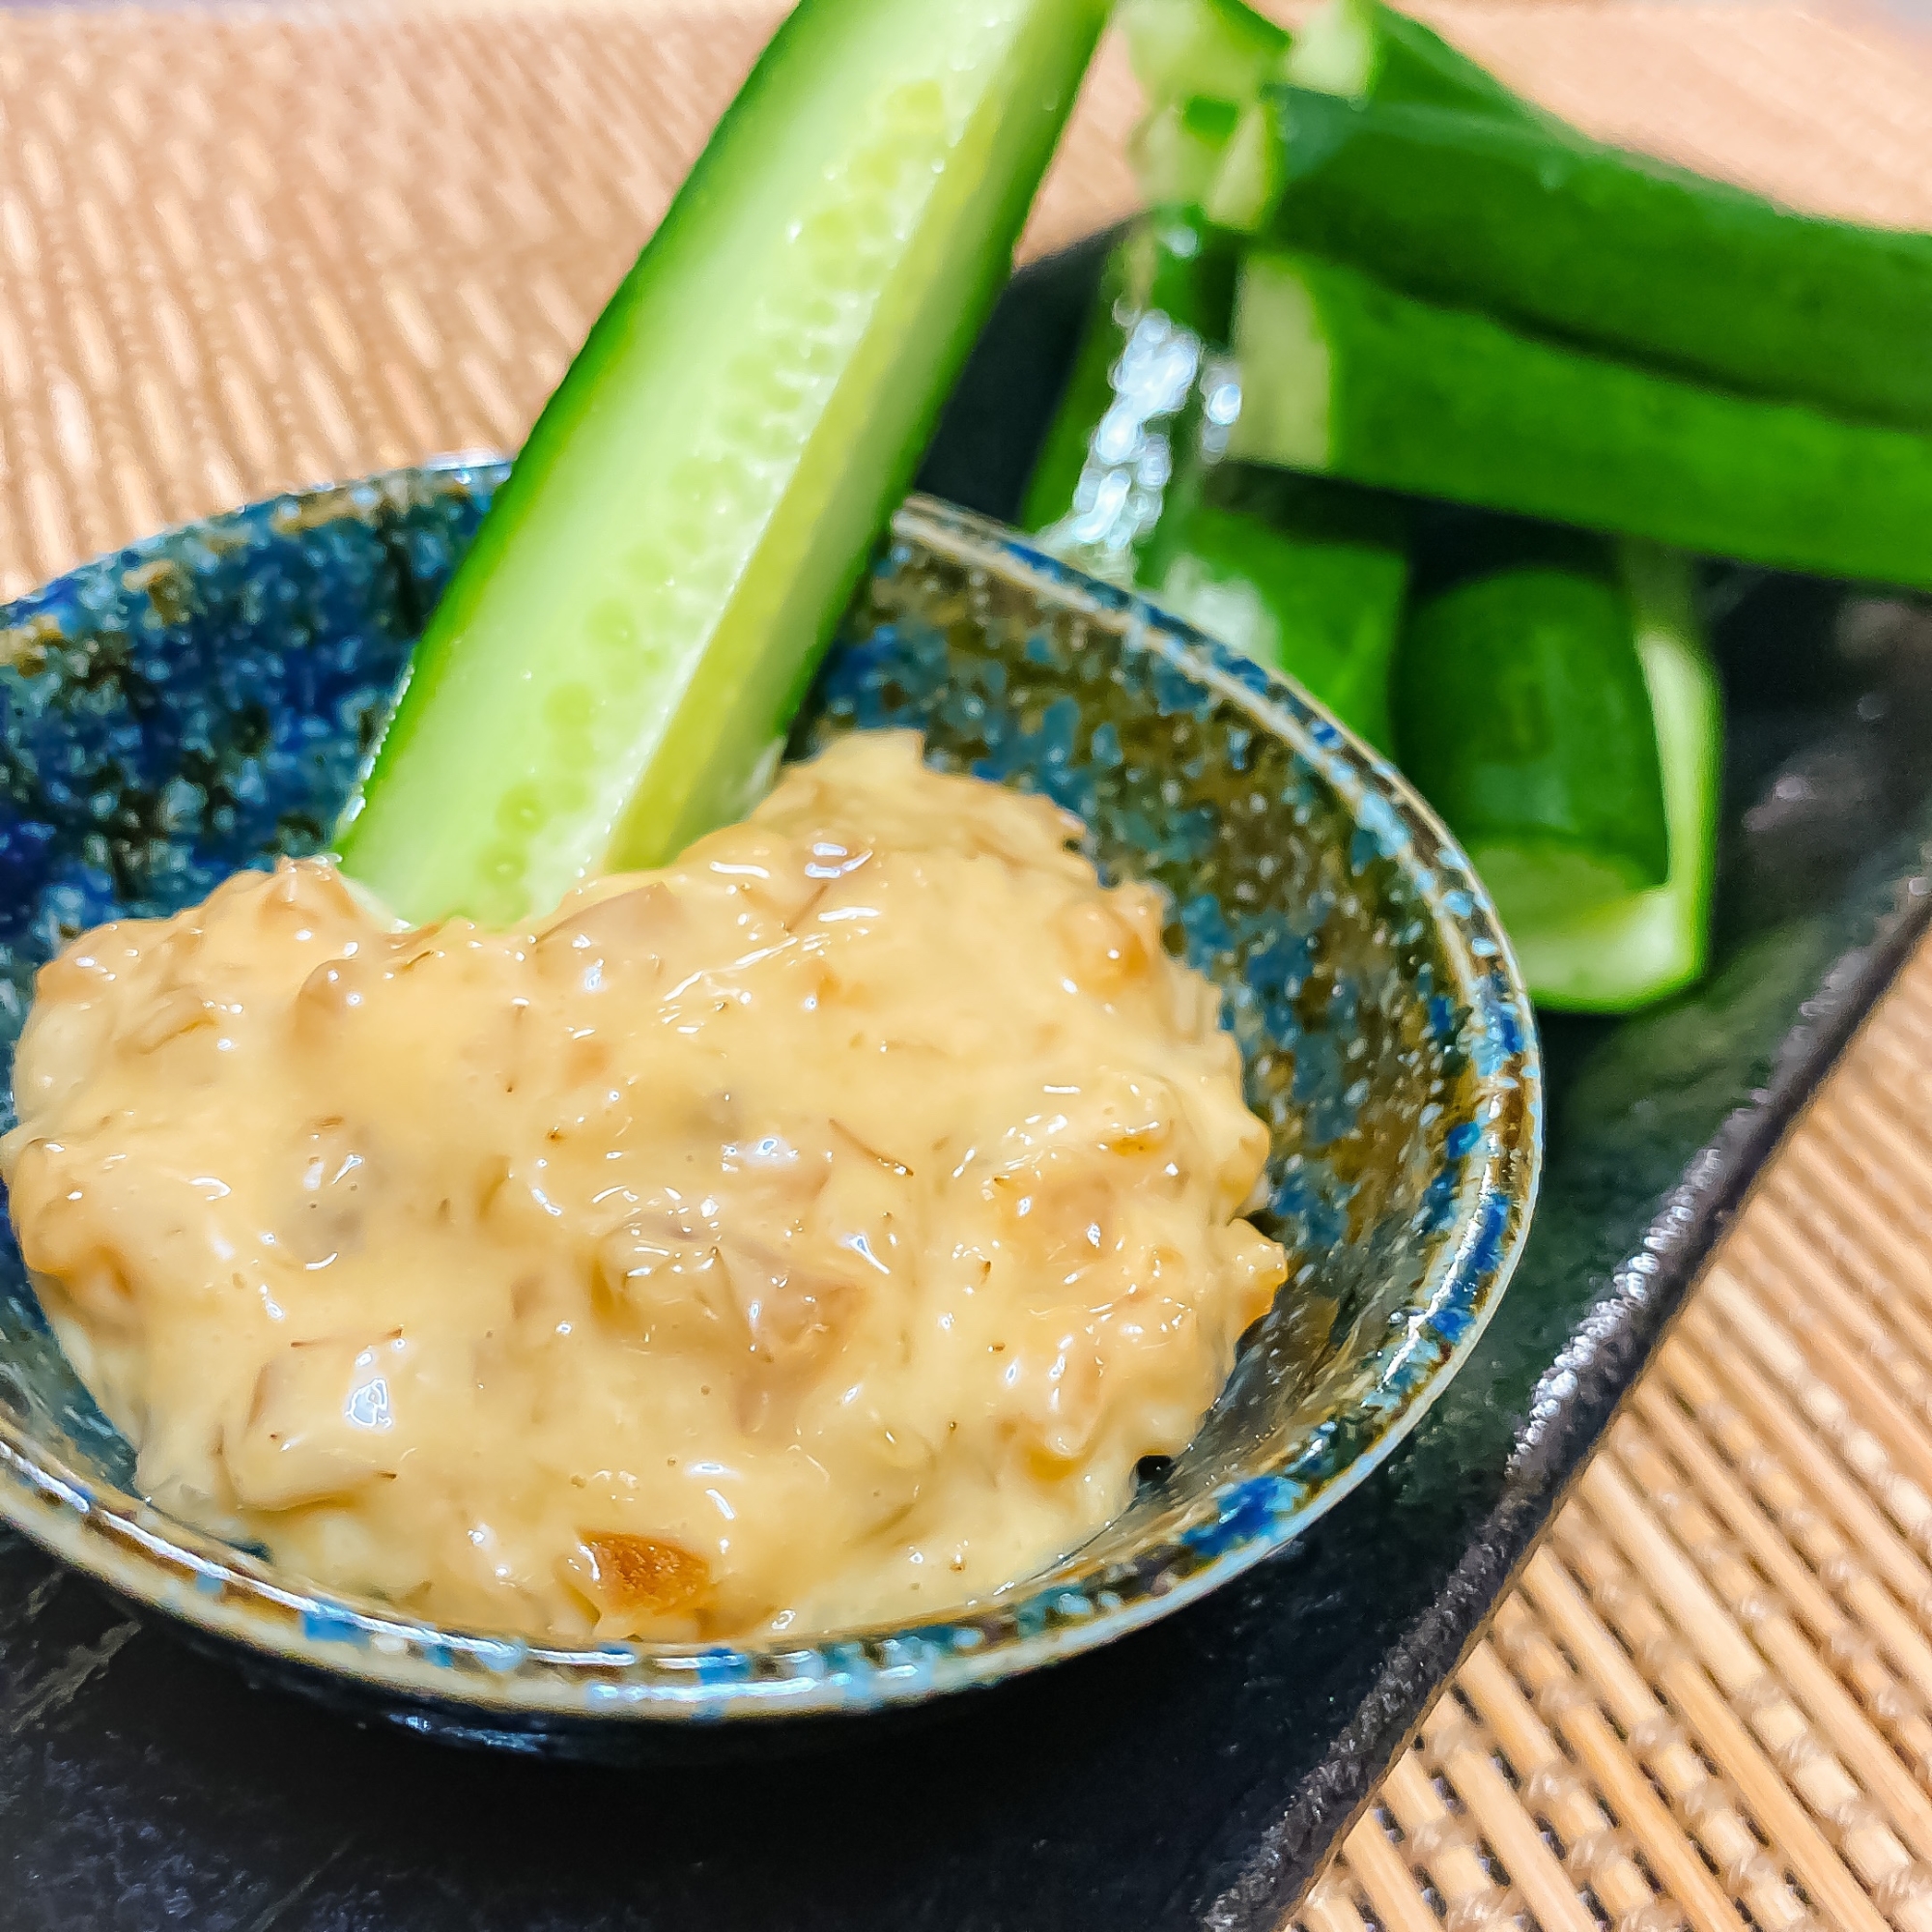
[242,248]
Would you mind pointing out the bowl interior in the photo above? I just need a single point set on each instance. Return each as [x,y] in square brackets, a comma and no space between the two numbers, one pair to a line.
[202,701]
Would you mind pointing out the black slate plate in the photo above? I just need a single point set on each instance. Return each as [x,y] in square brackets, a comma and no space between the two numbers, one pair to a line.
[1196,1775]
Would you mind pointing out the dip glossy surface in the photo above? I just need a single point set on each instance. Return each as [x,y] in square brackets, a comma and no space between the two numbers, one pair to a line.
[816,1231]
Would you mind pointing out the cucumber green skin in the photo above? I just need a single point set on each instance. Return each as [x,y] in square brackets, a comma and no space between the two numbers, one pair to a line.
[1219,48]
[1634,952]
[1342,376]
[552,725]
[1521,713]
[1322,568]
[1355,53]
[1611,249]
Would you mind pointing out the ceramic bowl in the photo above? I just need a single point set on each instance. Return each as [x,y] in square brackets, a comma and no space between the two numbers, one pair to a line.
[200,702]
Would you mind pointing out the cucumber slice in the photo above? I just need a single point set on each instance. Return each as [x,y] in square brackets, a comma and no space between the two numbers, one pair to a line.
[616,663]
[1364,49]
[1628,952]
[1185,47]
[1521,712]
[1345,378]
[1611,249]
[1305,576]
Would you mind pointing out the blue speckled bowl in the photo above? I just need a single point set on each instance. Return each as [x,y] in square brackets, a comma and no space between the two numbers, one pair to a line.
[200,702]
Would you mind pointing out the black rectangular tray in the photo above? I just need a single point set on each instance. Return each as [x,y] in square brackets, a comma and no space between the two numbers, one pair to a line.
[1195,1775]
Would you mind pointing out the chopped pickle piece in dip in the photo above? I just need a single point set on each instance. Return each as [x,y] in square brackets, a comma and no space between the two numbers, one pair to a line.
[815,1232]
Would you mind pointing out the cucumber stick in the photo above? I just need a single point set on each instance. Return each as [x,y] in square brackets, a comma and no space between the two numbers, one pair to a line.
[1558,707]
[1210,69]
[1205,66]
[1132,412]
[1628,952]
[1218,48]
[616,663]
[1304,575]
[1368,51]
[1521,712]
[1608,248]
[1229,51]
[1344,377]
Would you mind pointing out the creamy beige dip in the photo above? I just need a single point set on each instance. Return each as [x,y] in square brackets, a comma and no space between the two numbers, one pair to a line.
[817,1230]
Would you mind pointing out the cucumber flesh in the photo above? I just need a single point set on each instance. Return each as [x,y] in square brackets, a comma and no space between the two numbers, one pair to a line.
[1205,67]
[1179,48]
[1288,313]
[1628,952]
[1247,178]
[613,668]
[1521,713]
[1341,49]
[1344,377]
[1542,887]
[1179,149]
[1606,248]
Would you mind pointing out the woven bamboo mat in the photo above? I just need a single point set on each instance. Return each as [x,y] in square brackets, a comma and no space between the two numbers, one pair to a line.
[242,248]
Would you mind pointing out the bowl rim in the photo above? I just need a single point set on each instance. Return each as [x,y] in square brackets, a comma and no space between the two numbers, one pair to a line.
[198,1580]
